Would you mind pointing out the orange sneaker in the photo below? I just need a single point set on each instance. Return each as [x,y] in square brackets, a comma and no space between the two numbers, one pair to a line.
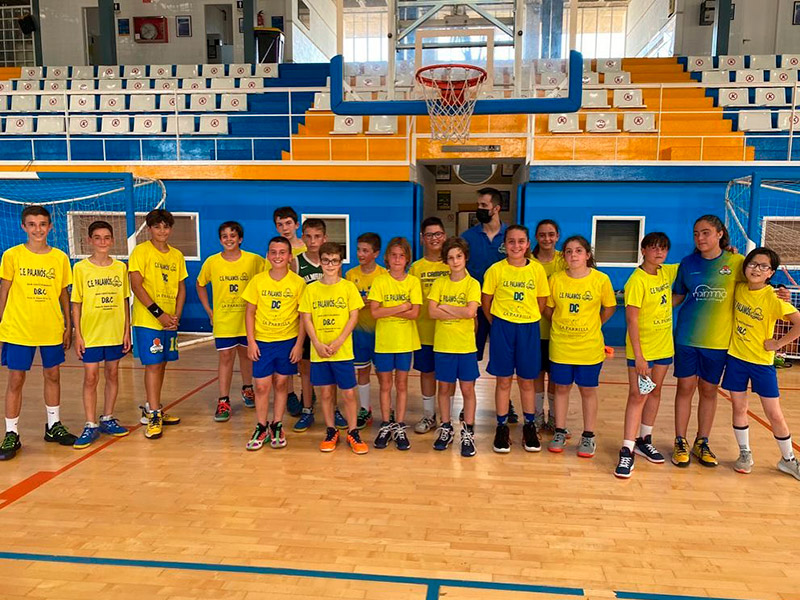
[356,445]
[330,441]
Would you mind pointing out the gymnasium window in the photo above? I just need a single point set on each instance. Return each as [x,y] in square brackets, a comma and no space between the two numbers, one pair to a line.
[337,228]
[16,48]
[365,32]
[601,31]
[616,240]
[781,234]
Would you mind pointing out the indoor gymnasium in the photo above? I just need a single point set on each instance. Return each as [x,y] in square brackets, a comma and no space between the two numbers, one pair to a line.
[400,299]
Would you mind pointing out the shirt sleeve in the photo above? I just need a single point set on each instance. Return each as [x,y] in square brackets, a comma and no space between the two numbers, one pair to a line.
[542,284]
[415,291]
[490,281]
[77,285]
[250,293]
[182,272]
[260,264]
[671,272]
[634,291]
[474,292]
[7,267]
[354,300]
[375,291]
[607,296]
[204,277]
[679,287]
[126,283]
[553,286]
[784,309]
[135,261]
[436,290]
[66,272]
[305,303]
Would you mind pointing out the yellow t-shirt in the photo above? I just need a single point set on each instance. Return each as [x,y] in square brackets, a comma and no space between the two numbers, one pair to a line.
[228,280]
[652,295]
[456,336]
[427,271]
[33,314]
[754,316]
[554,266]
[395,334]
[276,302]
[363,282]
[103,293]
[575,334]
[329,307]
[516,290]
[162,272]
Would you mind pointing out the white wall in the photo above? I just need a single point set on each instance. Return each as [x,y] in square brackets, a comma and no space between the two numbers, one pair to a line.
[61,31]
[646,19]
[316,43]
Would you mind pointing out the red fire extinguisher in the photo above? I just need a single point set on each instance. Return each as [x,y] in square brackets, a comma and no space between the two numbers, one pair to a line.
[260,18]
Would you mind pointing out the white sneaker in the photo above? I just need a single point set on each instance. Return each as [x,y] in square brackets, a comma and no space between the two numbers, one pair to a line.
[425,424]
[790,467]
[744,464]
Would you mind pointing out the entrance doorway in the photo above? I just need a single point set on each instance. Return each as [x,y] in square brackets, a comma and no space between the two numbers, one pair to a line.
[91,34]
[219,33]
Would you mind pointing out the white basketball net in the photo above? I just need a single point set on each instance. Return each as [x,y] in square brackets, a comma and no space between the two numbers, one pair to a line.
[450,93]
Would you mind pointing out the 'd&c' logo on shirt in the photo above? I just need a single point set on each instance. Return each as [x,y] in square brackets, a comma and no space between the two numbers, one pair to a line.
[726,270]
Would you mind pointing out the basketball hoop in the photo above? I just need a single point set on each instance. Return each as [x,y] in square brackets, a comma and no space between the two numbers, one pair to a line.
[450,93]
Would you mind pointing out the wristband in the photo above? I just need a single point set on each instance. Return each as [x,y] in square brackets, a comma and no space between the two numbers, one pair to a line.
[155,310]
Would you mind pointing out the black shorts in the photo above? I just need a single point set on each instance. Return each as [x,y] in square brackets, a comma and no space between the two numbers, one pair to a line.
[307,348]
[545,354]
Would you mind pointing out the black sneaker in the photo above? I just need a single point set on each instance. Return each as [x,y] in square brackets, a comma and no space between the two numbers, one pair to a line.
[625,465]
[502,441]
[467,442]
[58,433]
[513,417]
[10,446]
[400,438]
[644,447]
[294,406]
[530,439]
[444,437]
[384,435]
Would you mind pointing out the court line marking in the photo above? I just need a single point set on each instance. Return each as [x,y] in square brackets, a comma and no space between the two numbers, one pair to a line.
[647,596]
[38,479]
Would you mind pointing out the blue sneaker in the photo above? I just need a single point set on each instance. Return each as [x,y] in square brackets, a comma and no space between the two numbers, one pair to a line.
[444,437]
[305,421]
[400,438]
[110,426]
[384,435]
[89,435]
[248,396]
[293,405]
[339,420]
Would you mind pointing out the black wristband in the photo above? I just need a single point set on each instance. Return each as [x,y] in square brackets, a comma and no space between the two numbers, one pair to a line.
[155,310]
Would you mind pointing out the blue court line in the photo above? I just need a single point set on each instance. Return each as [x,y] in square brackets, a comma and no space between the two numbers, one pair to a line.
[432,585]
[646,596]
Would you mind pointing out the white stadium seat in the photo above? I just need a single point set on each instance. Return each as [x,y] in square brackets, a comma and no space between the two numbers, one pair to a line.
[168,102]
[734,97]
[160,71]
[749,76]
[82,102]
[137,84]
[193,83]
[251,83]
[223,83]
[50,125]
[368,81]
[587,65]
[549,65]
[166,84]
[82,84]
[770,97]
[350,69]
[785,117]
[552,80]
[116,124]
[57,73]
[81,125]
[31,73]
[185,125]
[595,99]
[716,77]
[19,125]
[620,78]
[182,71]
[755,120]
[134,71]
[266,70]
[783,75]
[601,123]
[213,71]
[699,63]
[639,122]
[108,72]
[202,102]
[377,68]
[731,62]
[609,65]
[322,101]
[147,124]
[53,103]
[23,103]
[240,70]
[231,102]
[382,125]
[29,85]
[143,102]
[591,78]
[214,124]
[112,102]
[347,125]
[6,86]
[54,85]
[790,61]
[83,72]
[763,61]
[109,85]
[563,123]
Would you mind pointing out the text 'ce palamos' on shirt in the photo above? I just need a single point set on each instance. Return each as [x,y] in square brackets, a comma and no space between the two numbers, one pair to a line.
[103,293]
[576,337]
[550,267]
[228,279]
[652,295]
[330,307]
[396,334]
[276,303]
[705,319]
[33,314]
[755,314]
[455,336]
[427,271]
[363,282]
[516,290]
[161,273]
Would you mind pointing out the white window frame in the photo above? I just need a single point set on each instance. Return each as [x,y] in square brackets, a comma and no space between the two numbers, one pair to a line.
[596,218]
[339,216]
[764,221]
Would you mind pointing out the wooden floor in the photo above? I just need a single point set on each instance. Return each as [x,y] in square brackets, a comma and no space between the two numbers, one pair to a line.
[194,515]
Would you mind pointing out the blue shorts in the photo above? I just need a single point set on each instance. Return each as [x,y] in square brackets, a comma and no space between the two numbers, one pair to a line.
[341,373]
[514,347]
[582,375]
[20,358]
[650,363]
[363,348]
[275,358]
[103,353]
[386,362]
[705,363]
[155,346]
[451,367]
[228,343]
[423,359]
[762,378]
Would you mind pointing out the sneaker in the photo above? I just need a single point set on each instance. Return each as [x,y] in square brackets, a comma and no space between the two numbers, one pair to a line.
[513,417]
[625,465]
[680,453]
[249,396]
[330,441]
[110,426]
[540,422]
[89,435]
[154,425]
[558,443]
[530,439]
[58,433]
[165,418]
[294,406]
[10,446]
[467,442]
[169,419]
[744,464]
[400,438]
[338,420]
[587,447]
[259,438]
[384,435]
[703,453]
[356,445]
[502,440]
[644,447]
[364,418]
[277,438]
[425,424]
[790,467]
[223,412]
[444,437]
[305,421]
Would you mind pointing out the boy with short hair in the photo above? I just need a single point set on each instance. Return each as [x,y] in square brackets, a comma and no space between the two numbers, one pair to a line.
[329,310]
[229,272]
[362,276]
[34,311]
[102,318]
[157,272]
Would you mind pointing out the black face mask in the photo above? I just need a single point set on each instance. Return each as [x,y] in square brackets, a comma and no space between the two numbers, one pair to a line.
[483,216]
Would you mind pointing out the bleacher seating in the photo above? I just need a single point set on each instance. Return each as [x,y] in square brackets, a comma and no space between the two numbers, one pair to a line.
[115,125]
[82,125]
[639,122]
[563,123]
[147,124]
[382,125]
[734,97]
[628,99]
[347,125]
[755,120]
[770,97]
[601,123]
[19,125]
[214,124]
[595,99]
[749,76]
[715,77]
[50,125]
[763,61]
[185,124]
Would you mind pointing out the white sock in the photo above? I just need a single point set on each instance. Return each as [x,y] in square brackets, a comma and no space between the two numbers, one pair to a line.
[743,437]
[12,424]
[784,444]
[428,406]
[53,415]
[363,396]
[90,424]
[106,417]
[645,430]
[540,403]
[629,444]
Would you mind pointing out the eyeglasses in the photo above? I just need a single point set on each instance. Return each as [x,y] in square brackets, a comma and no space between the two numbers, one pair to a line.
[763,267]
[433,236]
[334,262]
